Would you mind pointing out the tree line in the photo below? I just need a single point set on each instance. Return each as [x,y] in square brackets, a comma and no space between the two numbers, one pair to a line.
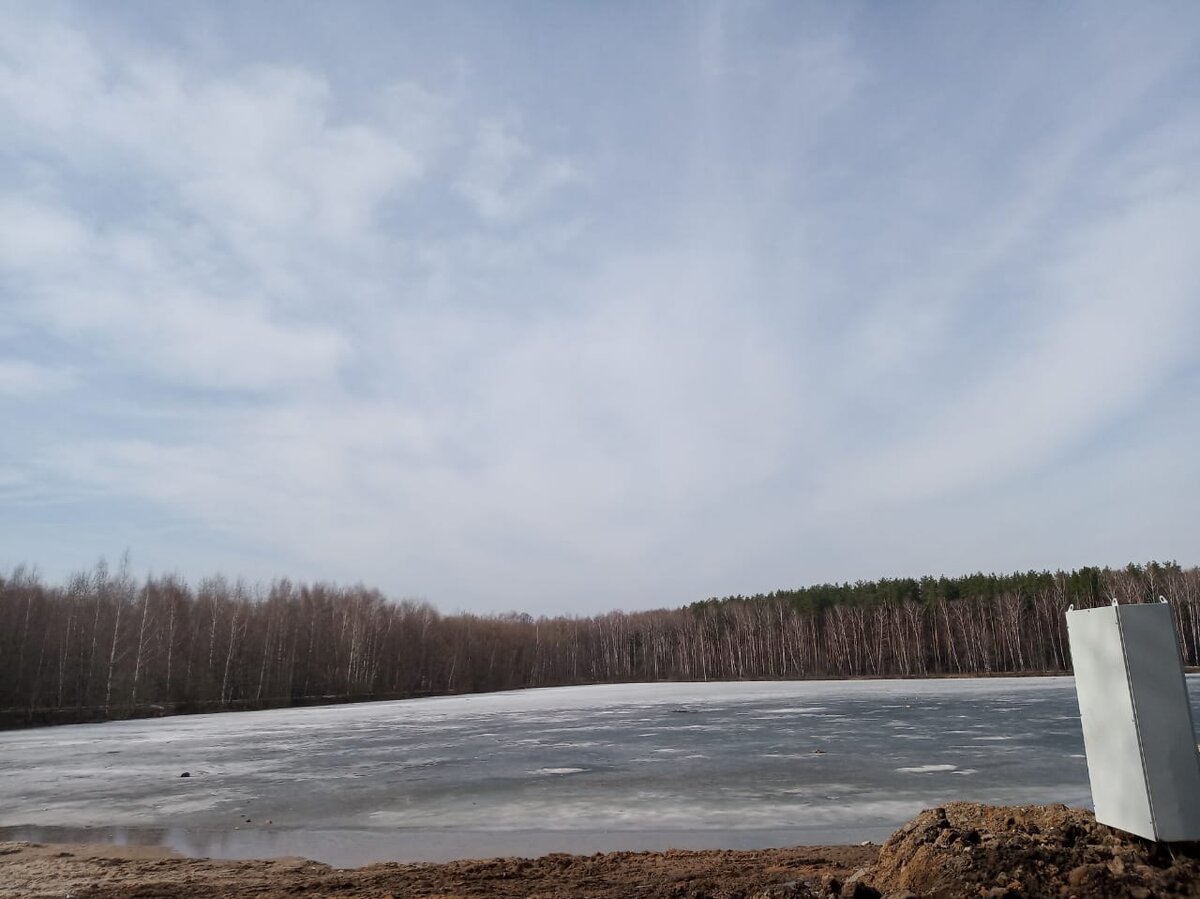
[105,645]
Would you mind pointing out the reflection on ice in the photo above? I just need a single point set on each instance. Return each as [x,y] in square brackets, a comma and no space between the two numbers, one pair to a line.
[758,763]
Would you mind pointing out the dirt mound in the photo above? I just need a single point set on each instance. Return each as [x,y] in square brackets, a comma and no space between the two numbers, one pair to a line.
[967,849]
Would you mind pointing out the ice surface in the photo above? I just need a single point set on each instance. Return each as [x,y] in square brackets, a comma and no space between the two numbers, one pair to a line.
[573,768]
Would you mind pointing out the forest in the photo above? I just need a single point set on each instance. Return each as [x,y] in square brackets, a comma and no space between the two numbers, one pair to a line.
[105,645]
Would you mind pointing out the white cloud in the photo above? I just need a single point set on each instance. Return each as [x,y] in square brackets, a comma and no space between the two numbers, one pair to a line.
[34,234]
[257,151]
[504,179]
[139,297]
[49,73]
[21,379]
[761,299]
[207,200]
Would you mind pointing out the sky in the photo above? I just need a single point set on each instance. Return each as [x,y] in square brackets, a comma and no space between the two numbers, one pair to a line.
[569,307]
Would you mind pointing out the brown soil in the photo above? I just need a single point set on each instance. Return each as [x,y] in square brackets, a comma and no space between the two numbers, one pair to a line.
[967,849]
[92,872]
[962,850]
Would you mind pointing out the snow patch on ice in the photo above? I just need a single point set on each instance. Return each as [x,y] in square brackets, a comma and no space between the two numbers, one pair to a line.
[927,769]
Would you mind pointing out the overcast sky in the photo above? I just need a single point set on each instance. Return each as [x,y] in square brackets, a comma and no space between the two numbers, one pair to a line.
[566,307]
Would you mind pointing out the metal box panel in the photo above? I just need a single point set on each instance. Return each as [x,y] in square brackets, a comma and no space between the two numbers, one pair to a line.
[1164,718]
[1110,738]
[1137,722]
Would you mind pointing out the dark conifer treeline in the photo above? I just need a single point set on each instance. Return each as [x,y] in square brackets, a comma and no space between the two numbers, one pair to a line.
[105,646]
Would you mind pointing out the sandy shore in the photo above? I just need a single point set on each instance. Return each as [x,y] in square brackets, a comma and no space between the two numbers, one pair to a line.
[962,850]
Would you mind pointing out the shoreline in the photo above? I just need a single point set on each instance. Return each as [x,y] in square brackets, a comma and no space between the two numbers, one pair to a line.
[962,849]
[91,871]
[353,847]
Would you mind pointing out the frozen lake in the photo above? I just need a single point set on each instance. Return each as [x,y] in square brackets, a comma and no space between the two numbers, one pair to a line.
[580,769]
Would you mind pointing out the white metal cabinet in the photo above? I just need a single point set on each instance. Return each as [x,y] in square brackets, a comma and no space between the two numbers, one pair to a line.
[1137,722]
